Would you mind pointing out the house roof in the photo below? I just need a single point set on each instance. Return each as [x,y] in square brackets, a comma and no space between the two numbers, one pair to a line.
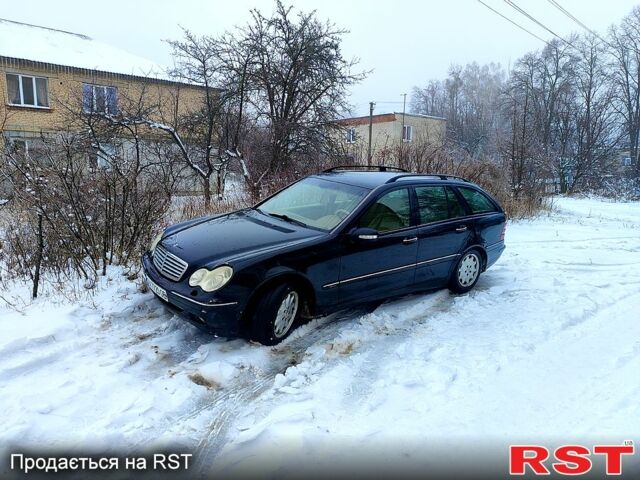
[383,118]
[57,47]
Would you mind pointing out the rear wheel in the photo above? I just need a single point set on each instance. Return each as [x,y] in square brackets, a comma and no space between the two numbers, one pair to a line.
[467,272]
[275,314]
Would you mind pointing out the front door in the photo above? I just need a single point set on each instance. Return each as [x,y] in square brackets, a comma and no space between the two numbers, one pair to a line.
[377,268]
[443,234]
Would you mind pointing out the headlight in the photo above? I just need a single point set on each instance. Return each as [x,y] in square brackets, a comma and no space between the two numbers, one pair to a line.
[211,280]
[155,242]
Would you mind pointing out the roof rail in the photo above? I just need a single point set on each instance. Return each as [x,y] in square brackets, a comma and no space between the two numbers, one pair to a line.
[377,168]
[441,176]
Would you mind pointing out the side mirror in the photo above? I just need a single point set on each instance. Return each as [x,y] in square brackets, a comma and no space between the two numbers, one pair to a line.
[364,233]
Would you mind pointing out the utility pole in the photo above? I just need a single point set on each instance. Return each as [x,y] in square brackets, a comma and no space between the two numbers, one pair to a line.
[371,104]
[404,106]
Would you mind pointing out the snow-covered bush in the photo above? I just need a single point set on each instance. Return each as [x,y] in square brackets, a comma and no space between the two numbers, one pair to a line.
[621,188]
[68,218]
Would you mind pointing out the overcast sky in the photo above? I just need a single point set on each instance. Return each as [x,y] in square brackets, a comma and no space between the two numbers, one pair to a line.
[405,43]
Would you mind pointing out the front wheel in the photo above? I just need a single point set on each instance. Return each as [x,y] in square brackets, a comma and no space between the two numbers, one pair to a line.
[275,313]
[466,273]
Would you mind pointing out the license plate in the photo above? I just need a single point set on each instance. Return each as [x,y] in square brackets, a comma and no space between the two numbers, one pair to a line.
[157,289]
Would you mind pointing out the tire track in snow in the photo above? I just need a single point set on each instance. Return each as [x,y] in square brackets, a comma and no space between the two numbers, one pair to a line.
[325,334]
[226,408]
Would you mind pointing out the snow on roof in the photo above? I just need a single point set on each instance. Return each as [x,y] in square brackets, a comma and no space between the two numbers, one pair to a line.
[48,45]
[384,117]
[419,115]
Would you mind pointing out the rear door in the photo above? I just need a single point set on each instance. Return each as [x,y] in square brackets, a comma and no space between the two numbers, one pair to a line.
[443,233]
[377,268]
[488,221]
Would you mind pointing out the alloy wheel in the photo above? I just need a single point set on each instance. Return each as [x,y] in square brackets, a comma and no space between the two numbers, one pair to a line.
[286,314]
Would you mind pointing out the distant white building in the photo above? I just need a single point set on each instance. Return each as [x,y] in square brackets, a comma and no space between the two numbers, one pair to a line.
[390,130]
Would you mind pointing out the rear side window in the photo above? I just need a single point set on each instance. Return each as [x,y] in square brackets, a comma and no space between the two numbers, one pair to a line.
[437,203]
[478,202]
[432,204]
[455,207]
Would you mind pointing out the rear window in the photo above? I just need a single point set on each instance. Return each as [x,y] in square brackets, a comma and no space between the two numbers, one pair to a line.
[478,202]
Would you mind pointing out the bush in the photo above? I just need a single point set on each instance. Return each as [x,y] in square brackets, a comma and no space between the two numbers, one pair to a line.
[66,219]
[424,157]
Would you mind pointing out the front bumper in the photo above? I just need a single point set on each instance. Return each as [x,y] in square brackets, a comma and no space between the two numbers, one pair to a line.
[217,316]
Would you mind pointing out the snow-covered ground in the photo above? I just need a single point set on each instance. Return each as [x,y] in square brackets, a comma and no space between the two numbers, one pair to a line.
[546,346]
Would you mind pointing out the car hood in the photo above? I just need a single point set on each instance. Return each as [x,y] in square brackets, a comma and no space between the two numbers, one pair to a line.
[211,241]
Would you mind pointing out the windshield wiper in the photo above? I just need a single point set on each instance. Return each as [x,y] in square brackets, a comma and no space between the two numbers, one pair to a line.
[287,218]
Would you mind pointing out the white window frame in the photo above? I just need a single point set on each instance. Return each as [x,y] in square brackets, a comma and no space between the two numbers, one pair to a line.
[350,135]
[626,161]
[35,91]
[407,133]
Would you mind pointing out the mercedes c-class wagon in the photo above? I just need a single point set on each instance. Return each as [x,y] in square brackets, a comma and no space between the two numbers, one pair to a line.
[325,242]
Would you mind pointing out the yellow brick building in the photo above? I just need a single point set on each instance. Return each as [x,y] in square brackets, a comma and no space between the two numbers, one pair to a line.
[40,97]
[49,77]
[44,73]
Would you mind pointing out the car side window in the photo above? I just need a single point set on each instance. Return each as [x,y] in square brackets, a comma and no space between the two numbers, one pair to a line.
[390,212]
[455,207]
[477,201]
[432,204]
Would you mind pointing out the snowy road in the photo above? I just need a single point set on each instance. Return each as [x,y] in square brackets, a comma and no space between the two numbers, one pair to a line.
[547,345]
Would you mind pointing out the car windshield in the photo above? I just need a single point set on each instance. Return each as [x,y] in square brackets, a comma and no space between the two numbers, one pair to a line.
[314,202]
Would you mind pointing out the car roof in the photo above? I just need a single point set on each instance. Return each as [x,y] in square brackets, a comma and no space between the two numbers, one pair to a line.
[371,180]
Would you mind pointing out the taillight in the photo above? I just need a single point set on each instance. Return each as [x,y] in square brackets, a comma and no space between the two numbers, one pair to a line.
[504,229]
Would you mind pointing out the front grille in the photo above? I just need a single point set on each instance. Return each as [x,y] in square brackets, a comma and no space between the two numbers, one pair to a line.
[168,264]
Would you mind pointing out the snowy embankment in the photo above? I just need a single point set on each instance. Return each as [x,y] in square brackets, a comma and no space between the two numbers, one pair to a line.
[547,345]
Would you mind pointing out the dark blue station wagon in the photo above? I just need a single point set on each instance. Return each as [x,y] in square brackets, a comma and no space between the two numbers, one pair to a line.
[323,243]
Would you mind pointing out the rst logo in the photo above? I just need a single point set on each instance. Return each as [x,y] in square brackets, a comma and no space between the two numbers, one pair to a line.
[567,459]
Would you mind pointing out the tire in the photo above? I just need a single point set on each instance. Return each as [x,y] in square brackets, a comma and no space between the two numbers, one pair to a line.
[467,272]
[275,314]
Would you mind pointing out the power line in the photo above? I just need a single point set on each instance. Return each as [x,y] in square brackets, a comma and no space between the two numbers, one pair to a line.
[568,14]
[572,17]
[533,19]
[514,23]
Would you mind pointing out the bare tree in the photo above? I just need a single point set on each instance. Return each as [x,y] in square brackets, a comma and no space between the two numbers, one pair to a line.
[624,42]
[298,81]
[520,149]
[202,133]
[469,99]
[595,123]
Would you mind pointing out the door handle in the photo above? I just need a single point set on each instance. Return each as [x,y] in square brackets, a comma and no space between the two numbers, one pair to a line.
[461,228]
[408,240]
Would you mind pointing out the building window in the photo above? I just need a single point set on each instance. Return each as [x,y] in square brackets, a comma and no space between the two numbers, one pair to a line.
[626,161]
[351,135]
[27,91]
[20,146]
[103,158]
[407,133]
[99,99]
